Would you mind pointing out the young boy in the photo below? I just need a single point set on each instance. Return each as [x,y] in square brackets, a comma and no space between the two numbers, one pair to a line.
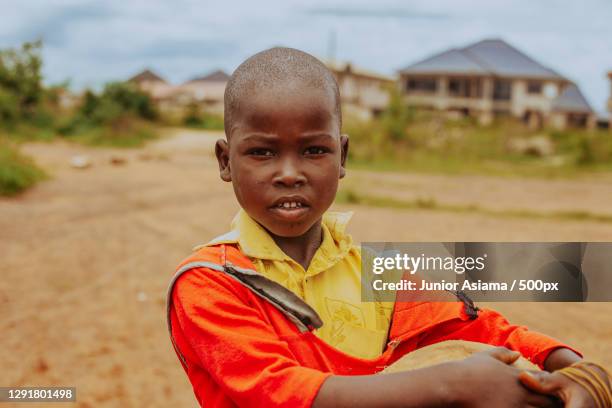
[270,313]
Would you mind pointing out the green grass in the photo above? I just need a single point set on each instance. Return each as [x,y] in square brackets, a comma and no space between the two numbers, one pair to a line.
[125,131]
[17,172]
[431,163]
[207,121]
[28,131]
[349,196]
[432,143]
[107,137]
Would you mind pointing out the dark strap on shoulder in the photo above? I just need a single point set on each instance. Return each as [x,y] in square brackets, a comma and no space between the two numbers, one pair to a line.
[291,305]
[298,311]
[468,304]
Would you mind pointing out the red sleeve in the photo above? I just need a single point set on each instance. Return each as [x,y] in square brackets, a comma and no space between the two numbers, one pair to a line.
[492,328]
[237,347]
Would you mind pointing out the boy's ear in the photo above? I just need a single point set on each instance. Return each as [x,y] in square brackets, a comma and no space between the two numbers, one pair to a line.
[222,153]
[344,146]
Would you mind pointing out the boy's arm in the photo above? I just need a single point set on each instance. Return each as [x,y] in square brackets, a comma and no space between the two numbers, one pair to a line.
[237,347]
[482,380]
[561,358]
[490,327]
[254,367]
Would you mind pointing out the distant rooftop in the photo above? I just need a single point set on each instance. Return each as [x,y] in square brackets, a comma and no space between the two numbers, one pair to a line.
[339,66]
[215,76]
[146,75]
[571,100]
[491,56]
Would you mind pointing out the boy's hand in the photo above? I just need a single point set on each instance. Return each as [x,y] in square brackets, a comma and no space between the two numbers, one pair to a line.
[486,379]
[571,393]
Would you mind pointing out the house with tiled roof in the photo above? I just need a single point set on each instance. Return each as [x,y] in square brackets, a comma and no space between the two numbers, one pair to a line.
[363,93]
[490,78]
[168,97]
[150,82]
[207,90]
[147,76]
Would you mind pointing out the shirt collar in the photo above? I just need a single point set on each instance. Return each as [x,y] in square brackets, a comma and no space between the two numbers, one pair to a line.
[256,242]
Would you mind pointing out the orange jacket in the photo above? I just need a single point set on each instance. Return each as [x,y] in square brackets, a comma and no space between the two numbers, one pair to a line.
[246,341]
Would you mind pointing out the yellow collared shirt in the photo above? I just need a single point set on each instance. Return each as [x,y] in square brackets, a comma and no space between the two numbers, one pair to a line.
[331,285]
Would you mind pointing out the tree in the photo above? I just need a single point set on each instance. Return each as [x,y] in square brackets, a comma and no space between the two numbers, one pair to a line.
[21,89]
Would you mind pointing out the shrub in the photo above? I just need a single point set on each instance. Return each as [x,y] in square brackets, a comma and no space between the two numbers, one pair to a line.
[17,172]
[21,89]
[116,100]
[196,118]
[118,116]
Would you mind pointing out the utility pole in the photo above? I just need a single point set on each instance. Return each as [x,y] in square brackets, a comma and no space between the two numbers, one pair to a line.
[331,46]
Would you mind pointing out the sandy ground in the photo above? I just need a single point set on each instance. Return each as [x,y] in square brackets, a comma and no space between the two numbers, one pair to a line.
[86,257]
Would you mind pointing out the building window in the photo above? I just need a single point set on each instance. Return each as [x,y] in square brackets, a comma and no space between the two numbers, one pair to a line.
[465,87]
[455,87]
[534,87]
[502,89]
[428,85]
[577,120]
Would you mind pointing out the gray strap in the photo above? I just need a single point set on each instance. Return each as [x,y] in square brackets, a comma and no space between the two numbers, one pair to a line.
[298,311]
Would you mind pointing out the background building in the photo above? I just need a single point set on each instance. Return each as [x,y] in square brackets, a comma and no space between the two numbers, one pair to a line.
[491,78]
[207,91]
[153,84]
[363,93]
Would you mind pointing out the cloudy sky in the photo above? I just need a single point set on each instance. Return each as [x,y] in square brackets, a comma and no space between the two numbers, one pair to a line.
[90,42]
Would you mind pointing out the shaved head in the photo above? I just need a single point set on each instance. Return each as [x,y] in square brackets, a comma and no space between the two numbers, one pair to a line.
[274,68]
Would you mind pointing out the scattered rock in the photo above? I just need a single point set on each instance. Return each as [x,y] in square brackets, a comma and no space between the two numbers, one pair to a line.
[538,146]
[557,161]
[80,162]
[41,366]
[116,370]
[118,161]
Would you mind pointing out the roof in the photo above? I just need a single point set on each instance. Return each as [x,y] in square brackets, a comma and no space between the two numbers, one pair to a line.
[454,60]
[348,67]
[571,100]
[215,76]
[493,57]
[146,75]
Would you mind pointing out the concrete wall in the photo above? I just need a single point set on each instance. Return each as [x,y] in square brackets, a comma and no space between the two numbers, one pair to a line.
[562,120]
[204,90]
[369,93]
[157,89]
[523,101]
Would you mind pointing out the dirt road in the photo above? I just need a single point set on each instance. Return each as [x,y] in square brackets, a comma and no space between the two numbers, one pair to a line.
[87,255]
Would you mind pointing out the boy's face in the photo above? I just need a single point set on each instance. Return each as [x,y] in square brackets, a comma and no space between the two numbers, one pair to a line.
[284,157]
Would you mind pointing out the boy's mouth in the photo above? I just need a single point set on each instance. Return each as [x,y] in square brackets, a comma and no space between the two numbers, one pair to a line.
[289,204]
[290,207]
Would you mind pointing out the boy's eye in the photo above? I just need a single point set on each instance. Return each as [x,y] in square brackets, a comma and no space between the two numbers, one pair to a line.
[261,152]
[316,150]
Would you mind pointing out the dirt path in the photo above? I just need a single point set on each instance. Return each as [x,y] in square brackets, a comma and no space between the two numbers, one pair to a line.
[87,255]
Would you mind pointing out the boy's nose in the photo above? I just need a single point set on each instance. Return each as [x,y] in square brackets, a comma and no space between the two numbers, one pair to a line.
[289,174]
